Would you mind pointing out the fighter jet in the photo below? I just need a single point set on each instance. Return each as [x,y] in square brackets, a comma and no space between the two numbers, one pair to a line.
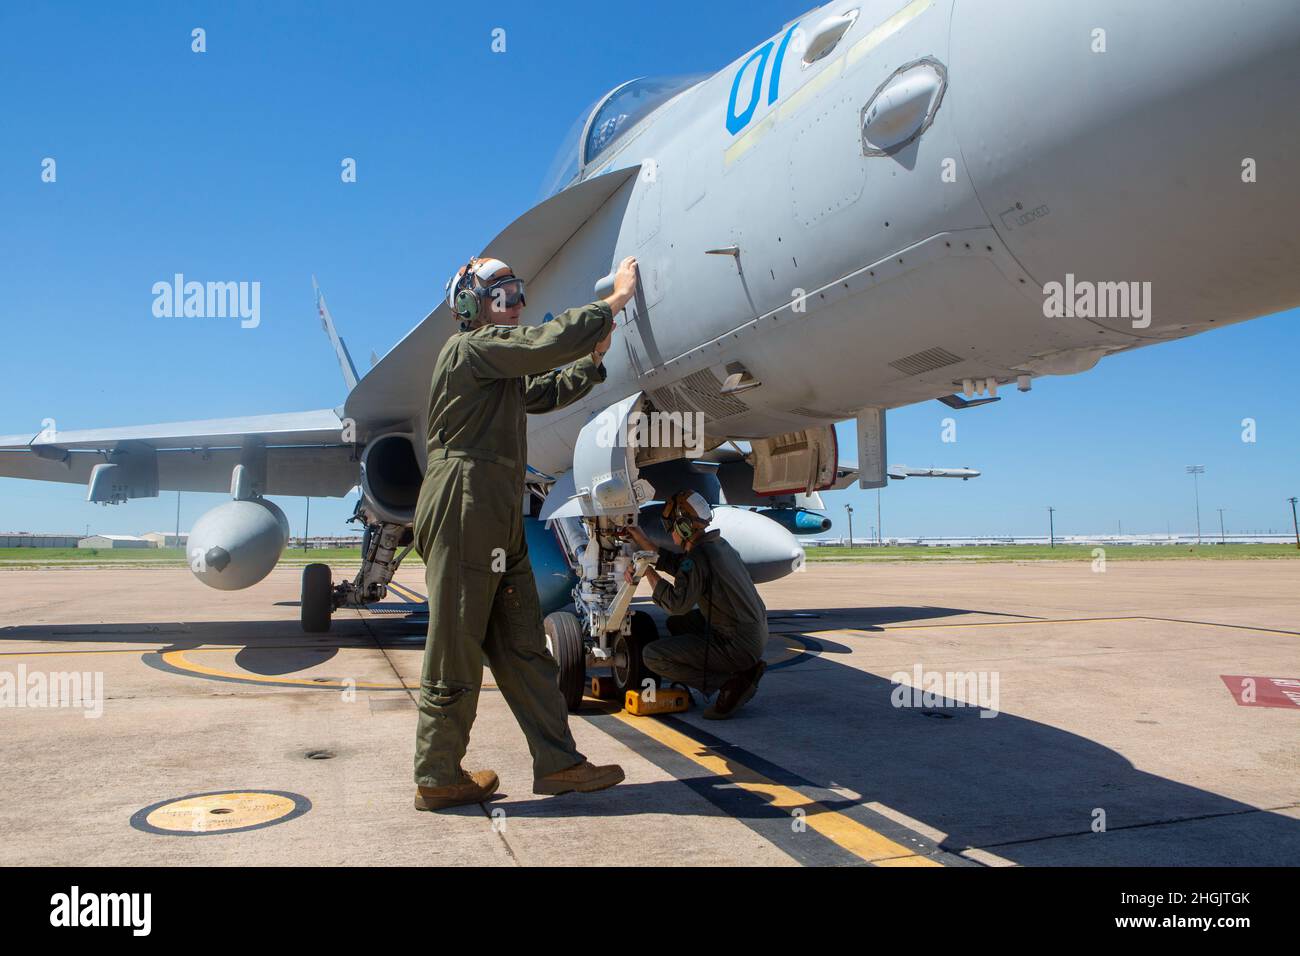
[883,203]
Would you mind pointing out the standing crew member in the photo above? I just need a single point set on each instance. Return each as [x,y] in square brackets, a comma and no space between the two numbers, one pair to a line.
[469,529]
[722,647]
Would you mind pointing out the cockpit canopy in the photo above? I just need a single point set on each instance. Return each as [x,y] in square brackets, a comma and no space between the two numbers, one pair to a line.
[606,120]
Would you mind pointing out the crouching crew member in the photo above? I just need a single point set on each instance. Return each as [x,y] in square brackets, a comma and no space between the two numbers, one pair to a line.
[717,623]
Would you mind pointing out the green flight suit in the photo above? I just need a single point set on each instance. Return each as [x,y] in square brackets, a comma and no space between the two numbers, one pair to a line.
[469,531]
[718,623]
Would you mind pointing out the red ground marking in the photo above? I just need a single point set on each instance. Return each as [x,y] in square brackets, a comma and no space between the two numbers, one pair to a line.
[1263,691]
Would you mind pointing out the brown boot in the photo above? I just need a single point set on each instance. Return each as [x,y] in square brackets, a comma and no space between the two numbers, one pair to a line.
[473,788]
[735,693]
[583,777]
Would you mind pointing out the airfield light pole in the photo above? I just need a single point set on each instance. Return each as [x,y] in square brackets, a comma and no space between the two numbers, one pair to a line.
[849,510]
[1051,526]
[178,518]
[1222,537]
[1195,470]
[306,526]
[1294,523]
[880,529]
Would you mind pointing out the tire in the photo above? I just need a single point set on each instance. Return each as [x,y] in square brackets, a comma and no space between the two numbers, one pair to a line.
[564,641]
[629,668]
[317,598]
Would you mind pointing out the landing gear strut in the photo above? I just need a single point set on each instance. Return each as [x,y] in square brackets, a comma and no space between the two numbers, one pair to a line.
[380,558]
[595,504]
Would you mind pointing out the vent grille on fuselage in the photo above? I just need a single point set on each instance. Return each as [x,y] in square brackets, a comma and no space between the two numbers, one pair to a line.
[698,392]
[814,413]
[927,361]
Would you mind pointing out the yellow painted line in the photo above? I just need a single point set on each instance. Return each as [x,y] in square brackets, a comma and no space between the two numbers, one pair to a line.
[829,74]
[855,837]
[793,649]
[1072,620]
[928,627]
[211,647]
[405,592]
[134,650]
[178,660]
[743,145]
[887,29]
[783,112]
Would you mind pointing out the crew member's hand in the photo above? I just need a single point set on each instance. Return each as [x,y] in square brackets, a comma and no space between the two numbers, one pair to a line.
[624,285]
[639,538]
[649,576]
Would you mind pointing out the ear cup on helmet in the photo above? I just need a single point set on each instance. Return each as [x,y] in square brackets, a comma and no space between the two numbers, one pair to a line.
[678,518]
[467,305]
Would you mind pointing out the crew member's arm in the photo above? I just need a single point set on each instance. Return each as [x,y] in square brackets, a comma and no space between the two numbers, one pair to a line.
[537,349]
[668,561]
[552,390]
[685,590]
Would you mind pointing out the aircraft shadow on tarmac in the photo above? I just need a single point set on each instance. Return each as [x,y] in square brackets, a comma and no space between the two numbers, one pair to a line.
[279,648]
[267,648]
[1022,789]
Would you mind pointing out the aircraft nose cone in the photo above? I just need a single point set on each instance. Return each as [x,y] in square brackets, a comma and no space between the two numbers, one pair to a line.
[1148,142]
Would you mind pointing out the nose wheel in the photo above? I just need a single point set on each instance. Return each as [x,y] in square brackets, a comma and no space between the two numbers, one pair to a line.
[564,641]
[629,668]
[317,604]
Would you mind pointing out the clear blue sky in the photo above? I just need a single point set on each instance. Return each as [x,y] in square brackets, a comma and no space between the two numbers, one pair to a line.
[225,166]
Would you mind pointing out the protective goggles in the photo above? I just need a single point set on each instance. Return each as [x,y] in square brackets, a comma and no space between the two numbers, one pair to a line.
[505,293]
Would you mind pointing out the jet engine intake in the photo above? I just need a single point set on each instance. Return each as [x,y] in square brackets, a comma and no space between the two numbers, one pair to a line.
[391,478]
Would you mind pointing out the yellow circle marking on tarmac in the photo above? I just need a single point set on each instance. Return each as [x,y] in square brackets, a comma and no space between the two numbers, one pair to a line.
[178,660]
[216,812]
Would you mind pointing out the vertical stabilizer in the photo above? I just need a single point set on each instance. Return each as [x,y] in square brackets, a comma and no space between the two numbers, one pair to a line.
[340,350]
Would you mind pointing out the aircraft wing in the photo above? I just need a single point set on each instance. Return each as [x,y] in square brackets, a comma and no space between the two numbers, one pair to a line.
[845,476]
[396,389]
[304,454]
[899,472]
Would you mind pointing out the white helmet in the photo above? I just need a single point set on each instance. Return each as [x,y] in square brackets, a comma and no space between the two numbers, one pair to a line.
[475,281]
[685,506]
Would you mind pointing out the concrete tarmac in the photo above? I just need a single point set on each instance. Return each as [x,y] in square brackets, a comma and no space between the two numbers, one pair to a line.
[1075,717]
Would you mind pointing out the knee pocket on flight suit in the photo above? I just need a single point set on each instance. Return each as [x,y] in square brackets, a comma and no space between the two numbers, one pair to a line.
[441,695]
